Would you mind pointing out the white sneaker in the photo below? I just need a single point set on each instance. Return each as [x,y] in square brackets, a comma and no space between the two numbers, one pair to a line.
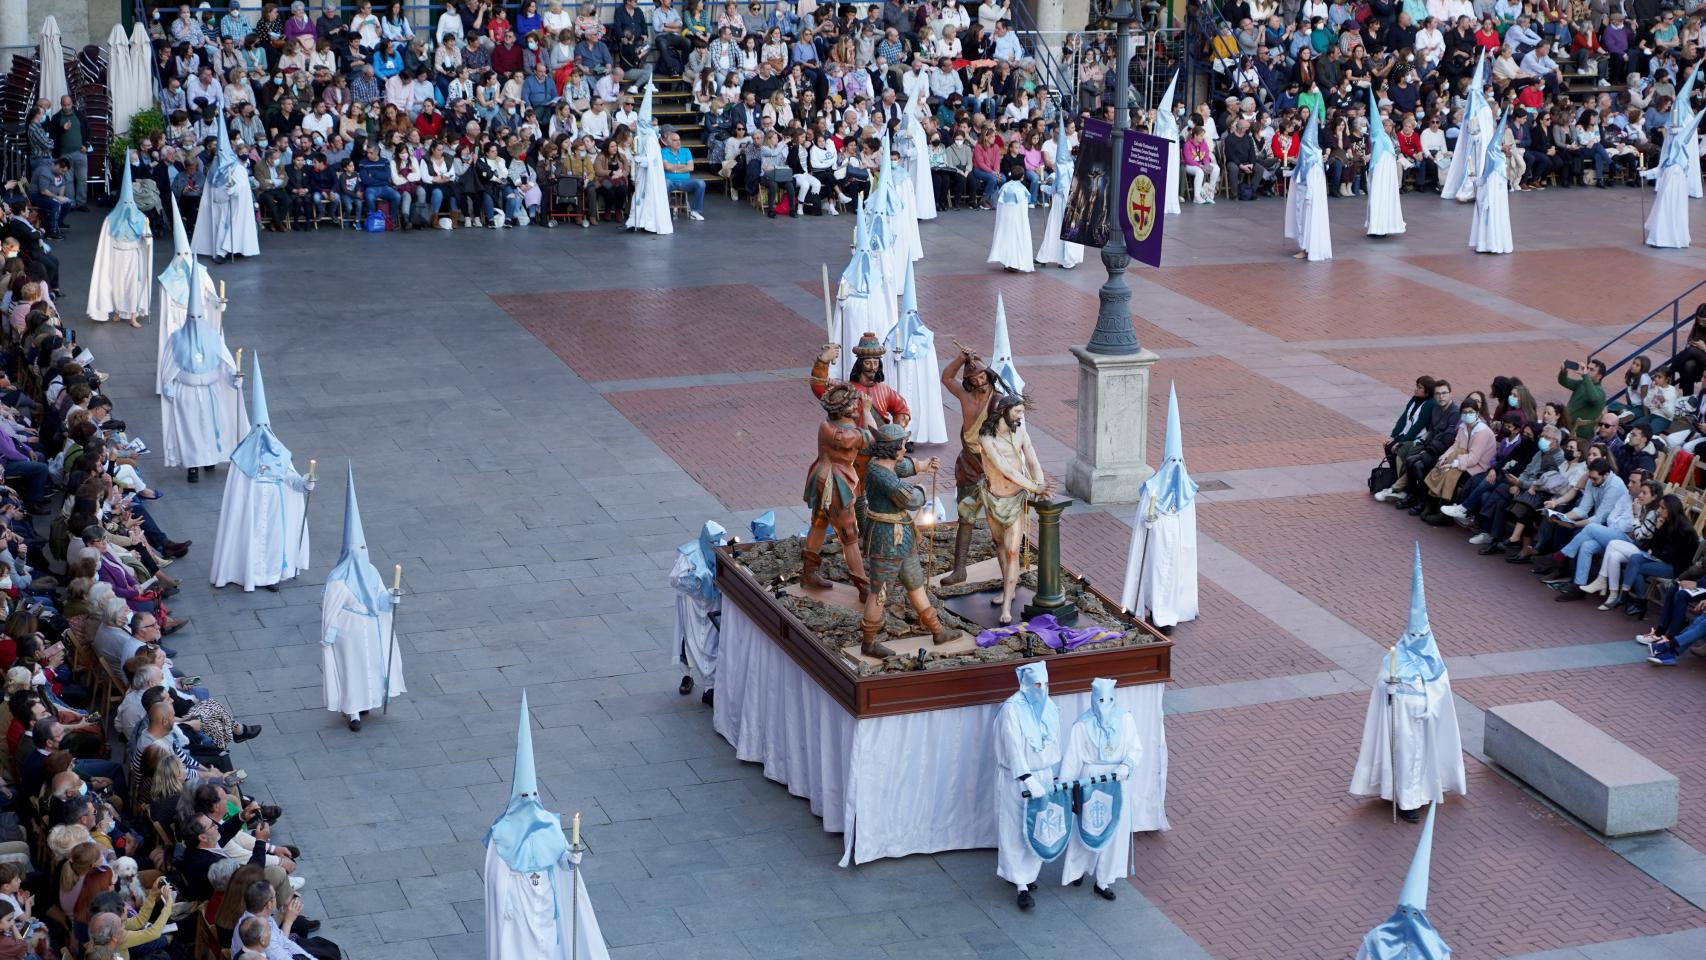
[1481,538]
[695,215]
[834,212]
[1598,586]
[297,883]
[1647,640]
[1384,495]
[1454,511]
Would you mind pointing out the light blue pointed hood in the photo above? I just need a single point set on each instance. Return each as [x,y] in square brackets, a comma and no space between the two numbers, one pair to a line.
[176,277]
[1001,358]
[1165,125]
[910,336]
[126,222]
[1477,95]
[1102,720]
[1493,163]
[528,838]
[1419,659]
[1407,934]
[703,554]
[1039,718]
[887,199]
[863,269]
[1679,142]
[196,346]
[1379,143]
[1680,110]
[1170,487]
[1309,147]
[1064,164]
[353,569]
[225,159]
[261,455]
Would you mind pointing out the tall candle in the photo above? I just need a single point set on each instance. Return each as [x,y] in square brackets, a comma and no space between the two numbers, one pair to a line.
[311,464]
[397,578]
[828,308]
[239,361]
[575,828]
[222,289]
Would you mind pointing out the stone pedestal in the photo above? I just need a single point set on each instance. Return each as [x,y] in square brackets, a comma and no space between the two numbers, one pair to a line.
[1113,426]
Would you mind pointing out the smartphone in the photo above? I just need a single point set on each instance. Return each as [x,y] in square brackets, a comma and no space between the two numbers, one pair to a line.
[1572,365]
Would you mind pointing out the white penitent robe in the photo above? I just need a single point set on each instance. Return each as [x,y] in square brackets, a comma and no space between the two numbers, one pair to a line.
[202,415]
[1164,560]
[695,642]
[173,308]
[226,223]
[353,654]
[649,209]
[529,917]
[910,242]
[1081,760]
[122,274]
[1385,214]
[1016,862]
[261,538]
[1011,246]
[1306,214]
[919,382]
[1667,223]
[1054,249]
[1429,749]
[1490,231]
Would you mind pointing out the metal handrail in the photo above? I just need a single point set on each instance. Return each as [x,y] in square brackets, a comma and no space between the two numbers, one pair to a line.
[1020,19]
[1676,321]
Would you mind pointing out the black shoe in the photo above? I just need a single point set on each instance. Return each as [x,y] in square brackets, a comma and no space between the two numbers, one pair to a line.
[355,723]
[1437,520]
[708,698]
[174,551]
[686,686]
[249,732]
[1408,816]
[1416,510]
[1569,593]
[195,474]
[1636,609]
[222,258]
[1489,549]
[1405,503]
[1026,901]
[1106,893]
[1166,631]
[212,468]
[1545,570]
[304,925]
[270,587]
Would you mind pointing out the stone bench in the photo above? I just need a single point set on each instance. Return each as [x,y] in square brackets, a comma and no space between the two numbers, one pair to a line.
[1581,768]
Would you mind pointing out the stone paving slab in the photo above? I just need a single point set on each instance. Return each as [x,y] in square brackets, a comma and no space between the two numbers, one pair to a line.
[536,518]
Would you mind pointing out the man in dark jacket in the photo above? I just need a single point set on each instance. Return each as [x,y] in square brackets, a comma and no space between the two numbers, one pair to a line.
[1442,430]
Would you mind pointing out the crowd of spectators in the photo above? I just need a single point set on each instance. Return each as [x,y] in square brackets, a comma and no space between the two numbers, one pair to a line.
[121,812]
[1589,85]
[1598,497]
[484,108]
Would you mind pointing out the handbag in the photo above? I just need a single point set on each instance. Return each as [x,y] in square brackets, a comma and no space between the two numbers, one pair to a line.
[1381,477]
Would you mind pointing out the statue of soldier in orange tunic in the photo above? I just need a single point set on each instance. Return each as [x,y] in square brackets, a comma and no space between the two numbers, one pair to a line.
[832,485]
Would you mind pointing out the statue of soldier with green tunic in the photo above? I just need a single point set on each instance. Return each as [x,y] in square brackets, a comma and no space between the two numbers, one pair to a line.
[888,538]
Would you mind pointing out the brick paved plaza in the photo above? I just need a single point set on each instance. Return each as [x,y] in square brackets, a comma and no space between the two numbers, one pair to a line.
[539,418]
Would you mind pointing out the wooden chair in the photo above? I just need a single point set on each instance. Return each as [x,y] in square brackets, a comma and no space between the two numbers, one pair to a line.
[207,945]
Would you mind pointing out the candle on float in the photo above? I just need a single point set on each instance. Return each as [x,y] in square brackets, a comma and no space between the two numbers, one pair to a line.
[397,578]
[575,830]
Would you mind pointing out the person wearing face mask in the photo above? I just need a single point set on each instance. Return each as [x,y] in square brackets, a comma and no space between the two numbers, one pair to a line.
[1027,758]
[1601,515]
[1102,743]
[1470,453]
